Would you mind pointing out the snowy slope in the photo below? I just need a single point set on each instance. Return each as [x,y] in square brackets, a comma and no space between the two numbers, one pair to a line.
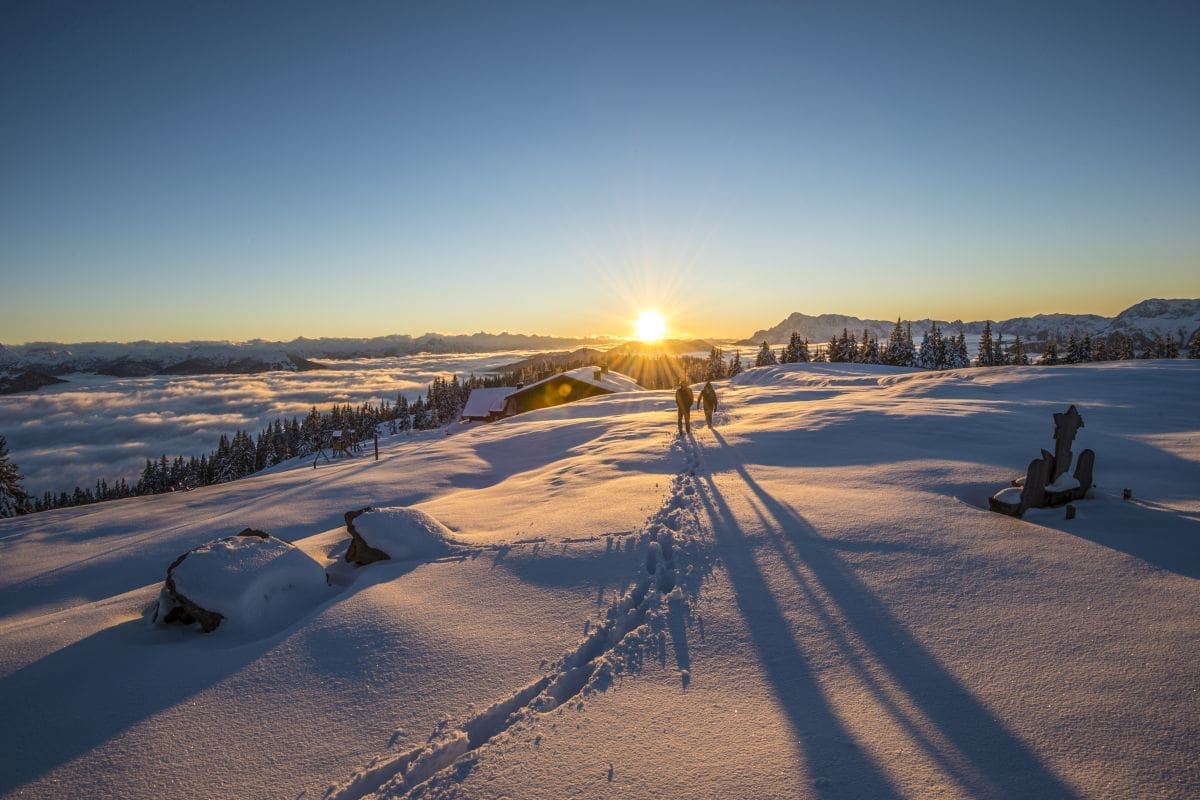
[807,601]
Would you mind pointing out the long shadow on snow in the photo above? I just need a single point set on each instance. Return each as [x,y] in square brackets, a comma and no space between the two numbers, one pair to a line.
[1008,767]
[77,698]
[592,571]
[521,452]
[68,702]
[863,437]
[838,766]
[1167,539]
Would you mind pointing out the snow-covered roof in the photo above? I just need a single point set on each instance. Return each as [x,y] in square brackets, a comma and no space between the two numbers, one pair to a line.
[610,381]
[483,402]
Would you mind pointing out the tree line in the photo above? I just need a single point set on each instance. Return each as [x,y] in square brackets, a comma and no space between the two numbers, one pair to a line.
[244,453]
[941,351]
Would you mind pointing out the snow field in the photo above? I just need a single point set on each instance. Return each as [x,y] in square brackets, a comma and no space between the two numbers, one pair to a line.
[608,650]
[845,620]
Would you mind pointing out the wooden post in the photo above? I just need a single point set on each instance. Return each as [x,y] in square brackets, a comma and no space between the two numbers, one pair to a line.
[376,445]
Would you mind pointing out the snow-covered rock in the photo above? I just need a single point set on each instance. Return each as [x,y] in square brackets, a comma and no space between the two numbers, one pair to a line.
[247,579]
[397,533]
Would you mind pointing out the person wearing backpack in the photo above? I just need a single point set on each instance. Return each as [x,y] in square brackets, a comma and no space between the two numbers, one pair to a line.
[708,397]
[683,402]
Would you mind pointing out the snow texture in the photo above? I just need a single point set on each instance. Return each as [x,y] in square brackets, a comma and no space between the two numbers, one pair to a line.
[404,534]
[249,581]
[807,600]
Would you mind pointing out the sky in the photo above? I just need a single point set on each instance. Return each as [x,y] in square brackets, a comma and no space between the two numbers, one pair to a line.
[186,170]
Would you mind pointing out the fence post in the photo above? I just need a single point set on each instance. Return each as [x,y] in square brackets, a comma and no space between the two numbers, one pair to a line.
[376,445]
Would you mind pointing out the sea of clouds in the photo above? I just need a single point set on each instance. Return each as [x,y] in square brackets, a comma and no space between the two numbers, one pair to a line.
[95,426]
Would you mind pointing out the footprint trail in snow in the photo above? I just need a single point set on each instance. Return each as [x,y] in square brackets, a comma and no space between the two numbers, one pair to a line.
[674,560]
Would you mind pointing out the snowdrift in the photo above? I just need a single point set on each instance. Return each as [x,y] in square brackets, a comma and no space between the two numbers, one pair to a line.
[248,583]
[401,534]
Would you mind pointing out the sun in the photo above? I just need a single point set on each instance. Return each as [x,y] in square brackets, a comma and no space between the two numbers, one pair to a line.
[651,326]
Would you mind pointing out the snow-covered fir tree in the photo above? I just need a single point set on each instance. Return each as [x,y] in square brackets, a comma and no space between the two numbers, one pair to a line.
[999,352]
[925,353]
[1017,354]
[1070,354]
[895,344]
[849,343]
[1083,349]
[987,352]
[843,349]
[13,499]
[932,349]
[802,354]
[735,364]
[792,353]
[833,350]
[715,369]
[1120,347]
[869,350]
[956,352]
[1194,345]
[765,357]
[1050,354]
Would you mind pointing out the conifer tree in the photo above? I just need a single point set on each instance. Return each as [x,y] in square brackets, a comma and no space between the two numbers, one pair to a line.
[1018,352]
[403,418]
[1050,354]
[1194,345]
[1071,354]
[1120,347]
[941,349]
[735,364]
[848,345]
[959,357]
[987,353]
[792,353]
[765,357]
[892,352]
[999,354]
[13,498]
[870,350]
[833,350]
[715,368]
[926,356]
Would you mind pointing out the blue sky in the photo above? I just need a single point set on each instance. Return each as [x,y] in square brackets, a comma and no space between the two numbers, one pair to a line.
[204,170]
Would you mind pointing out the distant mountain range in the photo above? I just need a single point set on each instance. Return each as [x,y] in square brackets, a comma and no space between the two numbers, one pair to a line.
[1142,322]
[28,366]
[134,359]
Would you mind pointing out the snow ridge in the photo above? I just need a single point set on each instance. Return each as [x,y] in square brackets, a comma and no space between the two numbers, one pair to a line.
[673,549]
